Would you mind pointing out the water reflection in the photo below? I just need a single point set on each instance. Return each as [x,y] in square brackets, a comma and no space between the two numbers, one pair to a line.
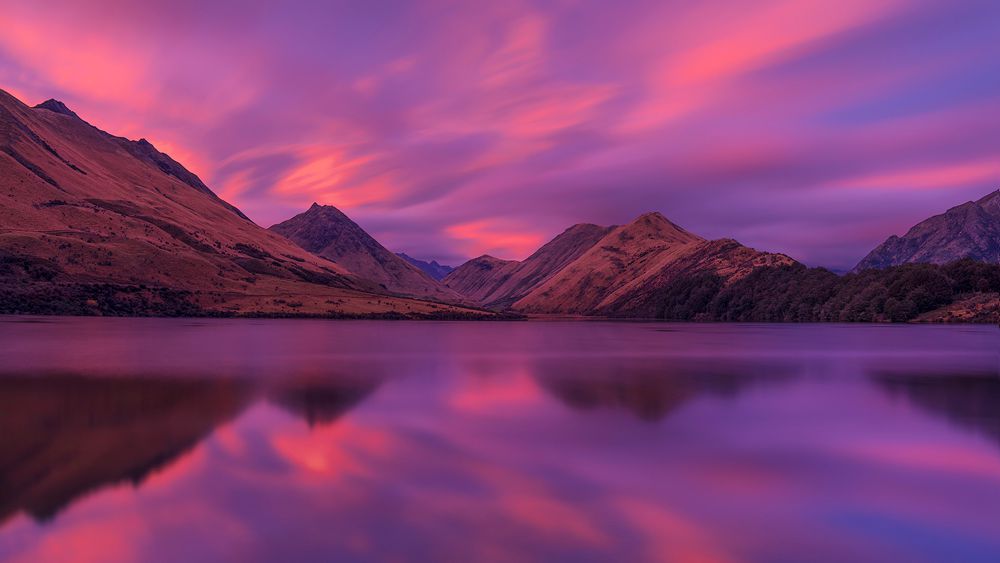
[315,441]
[321,401]
[66,436]
[652,389]
[968,400]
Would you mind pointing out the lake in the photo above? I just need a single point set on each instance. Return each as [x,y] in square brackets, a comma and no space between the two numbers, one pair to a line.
[299,440]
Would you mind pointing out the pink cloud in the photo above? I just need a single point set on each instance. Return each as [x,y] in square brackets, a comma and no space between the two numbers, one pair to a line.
[495,237]
[430,121]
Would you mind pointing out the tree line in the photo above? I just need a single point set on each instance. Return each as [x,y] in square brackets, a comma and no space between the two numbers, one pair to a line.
[796,293]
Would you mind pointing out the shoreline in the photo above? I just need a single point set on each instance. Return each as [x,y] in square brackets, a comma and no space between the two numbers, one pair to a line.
[451,317]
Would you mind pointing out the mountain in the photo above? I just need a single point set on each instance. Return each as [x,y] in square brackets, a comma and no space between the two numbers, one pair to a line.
[693,270]
[970,230]
[613,271]
[432,268]
[517,279]
[91,223]
[325,231]
[477,278]
[623,272]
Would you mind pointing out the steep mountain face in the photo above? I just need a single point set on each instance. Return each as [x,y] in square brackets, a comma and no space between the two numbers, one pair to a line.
[499,287]
[479,277]
[544,263]
[628,266]
[325,231]
[971,230]
[91,223]
[432,268]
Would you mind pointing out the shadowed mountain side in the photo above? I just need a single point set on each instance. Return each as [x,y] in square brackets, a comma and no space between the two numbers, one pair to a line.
[65,436]
[546,262]
[498,284]
[326,231]
[970,230]
[321,401]
[479,277]
[970,401]
[651,390]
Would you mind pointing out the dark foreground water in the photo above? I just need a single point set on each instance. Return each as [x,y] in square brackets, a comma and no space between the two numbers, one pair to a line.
[179,440]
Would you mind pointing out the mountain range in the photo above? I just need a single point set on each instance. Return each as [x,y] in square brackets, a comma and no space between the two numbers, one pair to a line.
[91,223]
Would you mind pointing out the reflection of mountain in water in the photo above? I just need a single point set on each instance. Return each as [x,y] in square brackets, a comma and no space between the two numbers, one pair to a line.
[322,401]
[65,435]
[651,390]
[970,400]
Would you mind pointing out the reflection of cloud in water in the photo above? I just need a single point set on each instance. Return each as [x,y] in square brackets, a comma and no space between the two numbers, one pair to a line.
[968,400]
[652,389]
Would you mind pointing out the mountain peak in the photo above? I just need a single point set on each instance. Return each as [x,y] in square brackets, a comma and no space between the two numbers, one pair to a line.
[58,107]
[654,224]
[488,259]
[328,232]
[320,209]
[655,218]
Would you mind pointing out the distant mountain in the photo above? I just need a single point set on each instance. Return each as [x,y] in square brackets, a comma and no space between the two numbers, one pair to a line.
[516,279]
[326,231]
[971,230]
[91,223]
[432,268]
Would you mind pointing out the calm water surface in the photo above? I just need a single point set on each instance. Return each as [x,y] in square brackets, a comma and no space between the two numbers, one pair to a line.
[181,440]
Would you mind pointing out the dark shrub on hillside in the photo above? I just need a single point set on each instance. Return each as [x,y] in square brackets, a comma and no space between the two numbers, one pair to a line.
[799,294]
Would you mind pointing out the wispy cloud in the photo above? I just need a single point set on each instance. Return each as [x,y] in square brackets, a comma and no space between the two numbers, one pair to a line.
[453,129]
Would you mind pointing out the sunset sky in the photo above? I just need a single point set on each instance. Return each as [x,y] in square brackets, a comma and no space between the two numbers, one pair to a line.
[452,129]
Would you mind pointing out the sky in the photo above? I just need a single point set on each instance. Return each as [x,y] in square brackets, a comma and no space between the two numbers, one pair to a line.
[452,129]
